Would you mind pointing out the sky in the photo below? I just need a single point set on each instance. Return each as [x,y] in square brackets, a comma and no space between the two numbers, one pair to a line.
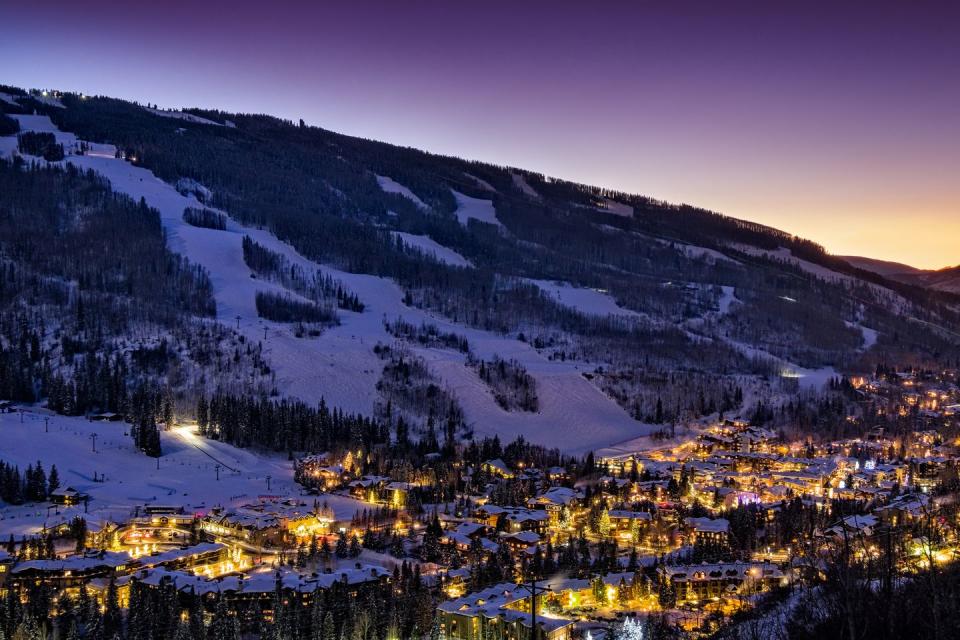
[836,121]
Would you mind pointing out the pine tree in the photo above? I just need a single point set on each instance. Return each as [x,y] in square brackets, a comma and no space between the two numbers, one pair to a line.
[328,632]
[53,482]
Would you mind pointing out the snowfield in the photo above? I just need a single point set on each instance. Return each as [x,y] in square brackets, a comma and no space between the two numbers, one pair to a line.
[480,182]
[391,186]
[521,183]
[475,208]
[431,247]
[340,366]
[617,208]
[727,298]
[180,115]
[131,479]
[596,302]
[869,335]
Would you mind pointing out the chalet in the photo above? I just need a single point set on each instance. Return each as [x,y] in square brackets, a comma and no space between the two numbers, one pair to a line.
[557,474]
[521,541]
[205,553]
[67,496]
[63,573]
[6,562]
[853,527]
[241,524]
[368,488]
[254,592]
[623,521]
[708,532]
[753,439]
[513,519]
[700,582]
[497,611]
[466,534]
[395,493]
[497,467]
[554,500]
[105,416]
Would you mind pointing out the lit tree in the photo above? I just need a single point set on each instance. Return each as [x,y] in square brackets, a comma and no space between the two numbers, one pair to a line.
[630,629]
[603,526]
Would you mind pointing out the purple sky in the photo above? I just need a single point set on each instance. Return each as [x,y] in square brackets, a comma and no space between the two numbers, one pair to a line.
[841,124]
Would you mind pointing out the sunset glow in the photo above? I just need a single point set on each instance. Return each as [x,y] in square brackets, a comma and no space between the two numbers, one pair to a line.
[839,124]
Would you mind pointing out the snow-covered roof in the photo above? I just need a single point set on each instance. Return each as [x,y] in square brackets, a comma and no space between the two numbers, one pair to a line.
[708,525]
[720,570]
[492,602]
[106,559]
[174,555]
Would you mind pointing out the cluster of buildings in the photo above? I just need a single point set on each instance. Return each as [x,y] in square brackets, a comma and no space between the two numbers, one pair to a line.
[649,530]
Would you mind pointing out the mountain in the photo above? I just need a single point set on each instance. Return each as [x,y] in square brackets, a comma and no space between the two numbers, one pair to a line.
[943,279]
[429,293]
[947,279]
[882,267]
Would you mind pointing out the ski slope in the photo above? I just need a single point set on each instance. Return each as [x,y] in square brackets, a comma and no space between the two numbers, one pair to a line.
[727,298]
[187,474]
[594,302]
[617,208]
[475,208]
[391,186]
[180,115]
[340,366]
[521,183]
[431,247]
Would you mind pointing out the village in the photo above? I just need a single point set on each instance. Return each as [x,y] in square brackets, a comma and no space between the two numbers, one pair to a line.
[505,547]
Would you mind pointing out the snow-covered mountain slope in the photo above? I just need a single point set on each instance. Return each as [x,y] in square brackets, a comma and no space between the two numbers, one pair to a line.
[431,247]
[126,479]
[391,186]
[584,299]
[469,208]
[576,283]
[882,267]
[947,279]
[339,366]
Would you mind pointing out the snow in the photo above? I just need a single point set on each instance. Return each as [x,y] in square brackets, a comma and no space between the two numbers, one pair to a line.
[180,115]
[131,478]
[391,186]
[617,208]
[869,335]
[595,302]
[813,379]
[189,186]
[521,183]
[43,124]
[480,182]
[475,208]
[895,301]
[49,101]
[340,365]
[9,99]
[727,298]
[68,140]
[429,246]
[575,416]
[704,253]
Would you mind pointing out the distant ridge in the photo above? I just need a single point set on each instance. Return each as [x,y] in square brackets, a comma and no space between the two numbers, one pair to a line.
[947,279]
